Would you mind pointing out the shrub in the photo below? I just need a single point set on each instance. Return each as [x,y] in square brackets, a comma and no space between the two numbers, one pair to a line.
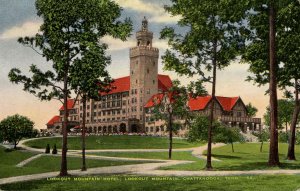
[47,149]
[54,151]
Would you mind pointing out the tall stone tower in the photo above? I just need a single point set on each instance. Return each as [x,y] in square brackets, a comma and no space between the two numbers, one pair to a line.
[143,75]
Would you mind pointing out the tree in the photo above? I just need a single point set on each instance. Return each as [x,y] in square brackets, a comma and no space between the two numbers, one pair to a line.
[263,54]
[228,135]
[16,127]
[222,133]
[285,113]
[89,79]
[262,136]
[251,110]
[62,40]
[289,39]
[210,43]
[170,106]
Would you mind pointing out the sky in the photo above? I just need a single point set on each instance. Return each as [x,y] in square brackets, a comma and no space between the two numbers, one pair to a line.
[18,19]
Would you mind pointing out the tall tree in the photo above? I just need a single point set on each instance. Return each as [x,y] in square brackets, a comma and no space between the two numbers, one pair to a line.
[60,41]
[16,127]
[289,39]
[169,107]
[89,78]
[264,53]
[210,42]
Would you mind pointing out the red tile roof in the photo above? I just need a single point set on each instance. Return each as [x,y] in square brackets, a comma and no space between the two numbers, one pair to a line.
[198,103]
[70,105]
[120,85]
[53,120]
[164,82]
[201,102]
[227,103]
[155,98]
[123,84]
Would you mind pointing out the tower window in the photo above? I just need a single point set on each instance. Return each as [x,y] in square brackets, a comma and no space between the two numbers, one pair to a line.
[147,70]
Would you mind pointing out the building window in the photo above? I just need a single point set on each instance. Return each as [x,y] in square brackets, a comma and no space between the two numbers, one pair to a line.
[95,113]
[99,113]
[147,70]
[153,63]
[124,102]
[80,107]
[136,81]
[104,113]
[148,91]
[239,114]
[88,114]
[88,106]
[135,91]
[153,81]
[95,106]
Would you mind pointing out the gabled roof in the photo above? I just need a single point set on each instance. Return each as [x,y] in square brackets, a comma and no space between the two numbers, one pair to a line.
[53,120]
[123,84]
[70,105]
[198,103]
[227,103]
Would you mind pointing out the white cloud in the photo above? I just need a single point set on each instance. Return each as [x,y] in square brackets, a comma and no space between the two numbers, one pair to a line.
[116,44]
[164,18]
[159,15]
[161,44]
[28,28]
[138,5]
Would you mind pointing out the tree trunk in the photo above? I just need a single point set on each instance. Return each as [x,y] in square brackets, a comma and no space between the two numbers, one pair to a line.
[261,146]
[273,153]
[83,168]
[15,145]
[292,140]
[170,136]
[211,117]
[232,149]
[63,168]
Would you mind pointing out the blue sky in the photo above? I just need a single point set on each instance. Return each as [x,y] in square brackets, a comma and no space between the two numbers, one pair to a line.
[18,18]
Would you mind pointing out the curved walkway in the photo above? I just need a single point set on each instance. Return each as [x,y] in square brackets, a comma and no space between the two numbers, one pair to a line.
[142,169]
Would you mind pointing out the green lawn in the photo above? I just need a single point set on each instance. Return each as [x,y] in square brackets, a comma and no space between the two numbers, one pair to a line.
[127,183]
[176,155]
[9,160]
[245,157]
[113,142]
